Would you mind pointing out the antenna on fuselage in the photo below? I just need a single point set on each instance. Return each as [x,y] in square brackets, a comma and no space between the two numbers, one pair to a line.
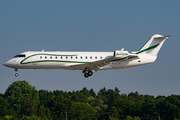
[43,50]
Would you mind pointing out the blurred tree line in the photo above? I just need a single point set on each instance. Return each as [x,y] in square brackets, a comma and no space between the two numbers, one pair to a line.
[22,100]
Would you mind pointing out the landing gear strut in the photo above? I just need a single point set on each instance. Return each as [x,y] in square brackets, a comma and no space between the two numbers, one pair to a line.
[87,73]
[16,72]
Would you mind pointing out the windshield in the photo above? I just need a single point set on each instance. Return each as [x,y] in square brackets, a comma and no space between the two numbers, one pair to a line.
[20,56]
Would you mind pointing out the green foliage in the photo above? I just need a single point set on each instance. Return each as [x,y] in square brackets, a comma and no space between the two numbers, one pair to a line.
[44,118]
[41,112]
[102,93]
[13,118]
[137,118]
[4,106]
[149,107]
[34,117]
[48,113]
[44,96]
[92,93]
[125,106]
[58,106]
[169,107]
[7,117]
[85,92]
[1,95]
[113,118]
[13,113]
[81,111]
[129,118]
[22,100]
[31,118]
[79,97]
[27,118]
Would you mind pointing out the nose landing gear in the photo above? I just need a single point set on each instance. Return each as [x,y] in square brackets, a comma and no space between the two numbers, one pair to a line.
[16,72]
[87,73]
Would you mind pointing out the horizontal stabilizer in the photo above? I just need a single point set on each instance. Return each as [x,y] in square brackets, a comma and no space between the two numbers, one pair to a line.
[163,37]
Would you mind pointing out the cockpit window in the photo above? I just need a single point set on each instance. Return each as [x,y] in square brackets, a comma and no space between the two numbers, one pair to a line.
[22,55]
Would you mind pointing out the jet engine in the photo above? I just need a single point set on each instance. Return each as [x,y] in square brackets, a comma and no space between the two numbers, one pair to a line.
[121,53]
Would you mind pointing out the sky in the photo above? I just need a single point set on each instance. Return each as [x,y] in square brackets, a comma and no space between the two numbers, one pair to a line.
[92,25]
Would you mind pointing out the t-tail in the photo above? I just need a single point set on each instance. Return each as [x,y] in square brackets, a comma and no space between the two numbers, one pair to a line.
[153,46]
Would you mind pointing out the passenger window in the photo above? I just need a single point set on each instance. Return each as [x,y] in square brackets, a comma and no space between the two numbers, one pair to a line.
[86,57]
[66,57]
[40,57]
[51,57]
[81,57]
[56,57]
[71,57]
[45,57]
[101,57]
[76,57]
[90,57]
[61,57]
[95,57]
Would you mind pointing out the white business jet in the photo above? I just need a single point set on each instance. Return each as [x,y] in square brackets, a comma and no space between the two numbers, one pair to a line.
[88,61]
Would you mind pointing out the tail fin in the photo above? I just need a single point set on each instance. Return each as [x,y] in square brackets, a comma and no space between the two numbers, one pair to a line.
[153,45]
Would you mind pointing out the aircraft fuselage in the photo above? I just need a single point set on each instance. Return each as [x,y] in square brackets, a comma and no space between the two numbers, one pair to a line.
[88,61]
[64,60]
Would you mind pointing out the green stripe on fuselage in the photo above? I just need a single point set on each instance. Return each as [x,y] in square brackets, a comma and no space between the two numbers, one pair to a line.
[54,61]
[22,62]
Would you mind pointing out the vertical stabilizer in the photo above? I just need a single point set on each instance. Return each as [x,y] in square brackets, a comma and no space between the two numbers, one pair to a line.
[153,46]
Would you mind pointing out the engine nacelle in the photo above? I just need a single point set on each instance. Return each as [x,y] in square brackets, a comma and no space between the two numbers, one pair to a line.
[121,53]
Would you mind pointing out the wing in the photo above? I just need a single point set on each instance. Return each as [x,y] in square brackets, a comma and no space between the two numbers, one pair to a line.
[96,65]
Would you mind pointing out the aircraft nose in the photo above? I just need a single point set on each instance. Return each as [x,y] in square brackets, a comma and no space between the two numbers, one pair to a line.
[6,64]
[9,64]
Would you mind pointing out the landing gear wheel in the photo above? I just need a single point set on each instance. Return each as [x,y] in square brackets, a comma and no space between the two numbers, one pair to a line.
[86,75]
[83,71]
[90,73]
[16,74]
[87,72]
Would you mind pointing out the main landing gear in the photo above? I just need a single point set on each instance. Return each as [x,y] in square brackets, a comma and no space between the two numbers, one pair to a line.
[87,73]
[16,72]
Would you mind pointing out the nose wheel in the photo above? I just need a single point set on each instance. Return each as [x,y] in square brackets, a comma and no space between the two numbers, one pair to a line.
[16,72]
[87,73]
